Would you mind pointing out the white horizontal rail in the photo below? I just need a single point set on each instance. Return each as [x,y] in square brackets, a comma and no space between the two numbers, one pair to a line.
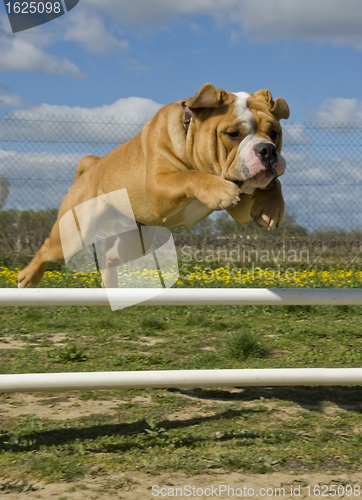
[179,379]
[179,296]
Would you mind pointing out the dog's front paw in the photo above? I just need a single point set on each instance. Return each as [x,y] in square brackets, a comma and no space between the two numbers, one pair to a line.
[218,194]
[268,207]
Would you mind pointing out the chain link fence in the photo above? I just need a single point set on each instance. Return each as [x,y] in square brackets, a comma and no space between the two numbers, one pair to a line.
[39,155]
[323,179]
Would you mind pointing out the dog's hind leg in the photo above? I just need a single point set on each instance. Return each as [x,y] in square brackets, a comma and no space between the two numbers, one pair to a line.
[51,250]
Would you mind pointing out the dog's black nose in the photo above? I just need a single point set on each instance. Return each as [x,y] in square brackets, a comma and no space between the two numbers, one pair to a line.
[267,153]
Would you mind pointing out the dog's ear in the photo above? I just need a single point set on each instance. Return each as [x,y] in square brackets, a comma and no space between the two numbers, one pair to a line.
[280,109]
[206,97]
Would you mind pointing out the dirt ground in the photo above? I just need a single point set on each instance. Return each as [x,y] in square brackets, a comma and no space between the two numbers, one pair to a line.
[136,486]
[140,486]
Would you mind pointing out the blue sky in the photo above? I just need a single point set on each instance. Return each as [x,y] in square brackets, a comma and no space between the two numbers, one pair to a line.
[103,50]
[125,58]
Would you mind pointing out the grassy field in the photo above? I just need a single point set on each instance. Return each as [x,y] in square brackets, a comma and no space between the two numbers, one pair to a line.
[255,430]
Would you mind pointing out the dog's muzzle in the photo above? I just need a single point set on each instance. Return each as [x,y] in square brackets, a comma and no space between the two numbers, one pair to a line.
[268,155]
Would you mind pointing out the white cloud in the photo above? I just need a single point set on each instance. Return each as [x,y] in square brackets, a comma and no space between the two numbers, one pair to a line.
[96,25]
[21,55]
[8,100]
[339,110]
[323,191]
[156,11]
[137,108]
[303,168]
[295,134]
[38,165]
[334,21]
[57,137]
[87,28]
[19,52]
[112,123]
[38,179]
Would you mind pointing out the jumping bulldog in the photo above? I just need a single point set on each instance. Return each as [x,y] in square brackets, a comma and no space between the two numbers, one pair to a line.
[216,150]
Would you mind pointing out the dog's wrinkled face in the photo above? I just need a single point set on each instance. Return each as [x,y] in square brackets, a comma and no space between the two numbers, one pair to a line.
[237,135]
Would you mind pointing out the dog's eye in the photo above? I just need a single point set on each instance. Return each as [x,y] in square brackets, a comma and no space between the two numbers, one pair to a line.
[234,134]
[274,136]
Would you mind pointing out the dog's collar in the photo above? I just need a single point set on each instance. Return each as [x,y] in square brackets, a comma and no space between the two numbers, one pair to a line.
[186,121]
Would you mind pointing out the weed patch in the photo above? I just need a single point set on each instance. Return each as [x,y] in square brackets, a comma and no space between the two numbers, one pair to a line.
[69,354]
[246,344]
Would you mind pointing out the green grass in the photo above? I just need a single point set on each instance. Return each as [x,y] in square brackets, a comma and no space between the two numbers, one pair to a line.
[244,344]
[252,430]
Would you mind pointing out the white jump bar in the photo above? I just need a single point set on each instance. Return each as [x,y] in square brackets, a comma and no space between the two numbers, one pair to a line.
[179,379]
[179,296]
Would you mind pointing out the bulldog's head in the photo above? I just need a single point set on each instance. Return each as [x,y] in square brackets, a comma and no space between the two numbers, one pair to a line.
[236,135]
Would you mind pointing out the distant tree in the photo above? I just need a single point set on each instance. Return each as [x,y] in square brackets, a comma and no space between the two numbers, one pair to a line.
[329,232]
[290,227]
[204,229]
[225,225]
[4,191]
[23,232]
[222,224]
[356,232]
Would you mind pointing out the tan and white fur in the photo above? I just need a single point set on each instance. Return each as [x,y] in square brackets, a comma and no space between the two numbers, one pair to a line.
[228,157]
